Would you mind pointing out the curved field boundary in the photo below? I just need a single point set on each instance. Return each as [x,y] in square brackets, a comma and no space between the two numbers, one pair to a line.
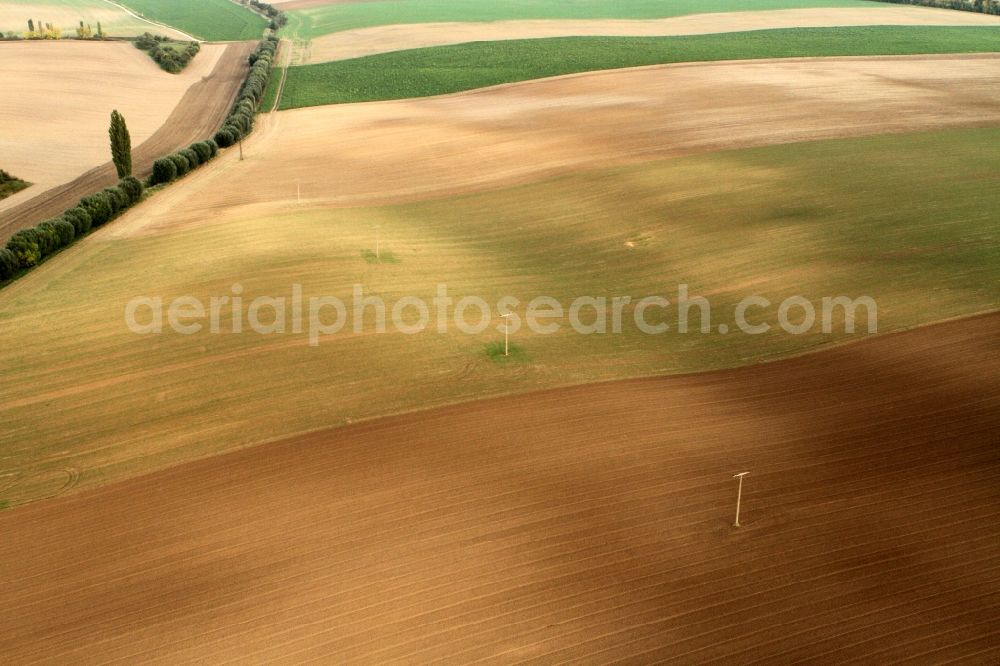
[151,21]
[591,524]
[384,39]
[448,69]
[198,114]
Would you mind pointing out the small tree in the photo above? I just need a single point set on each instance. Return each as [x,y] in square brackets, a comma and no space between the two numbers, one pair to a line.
[121,145]
[31,25]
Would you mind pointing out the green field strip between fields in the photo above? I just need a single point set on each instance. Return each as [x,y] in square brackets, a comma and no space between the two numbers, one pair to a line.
[336,17]
[449,69]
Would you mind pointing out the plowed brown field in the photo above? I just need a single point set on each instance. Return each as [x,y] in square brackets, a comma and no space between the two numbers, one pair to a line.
[75,135]
[591,523]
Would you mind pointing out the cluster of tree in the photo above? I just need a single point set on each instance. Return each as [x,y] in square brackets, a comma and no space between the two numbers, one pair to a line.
[174,166]
[6,177]
[239,123]
[42,31]
[981,6]
[276,16]
[86,32]
[165,52]
[27,247]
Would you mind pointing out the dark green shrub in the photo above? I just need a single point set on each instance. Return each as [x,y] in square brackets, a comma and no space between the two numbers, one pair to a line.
[98,207]
[24,246]
[79,218]
[192,157]
[117,198]
[202,150]
[48,239]
[65,231]
[164,170]
[8,264]
[213,146]
[224,138]
[181,163]
[132,188]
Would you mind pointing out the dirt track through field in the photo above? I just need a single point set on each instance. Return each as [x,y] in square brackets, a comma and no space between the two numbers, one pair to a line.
[197,115]
[382,39]
[388,152]
[589,523]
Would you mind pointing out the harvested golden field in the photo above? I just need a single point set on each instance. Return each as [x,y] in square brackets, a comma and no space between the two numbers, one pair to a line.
[590,524]
[382,39]
[116,21]
[197,115]
[364,154]
[56,126]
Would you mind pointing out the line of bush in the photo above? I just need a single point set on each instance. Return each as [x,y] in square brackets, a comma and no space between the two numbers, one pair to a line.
[170,54]
[172,167]
[276,16]
[239,123]
[28,247]
[981,6]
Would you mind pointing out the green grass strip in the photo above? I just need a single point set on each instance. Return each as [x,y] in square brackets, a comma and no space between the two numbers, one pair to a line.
[449,69]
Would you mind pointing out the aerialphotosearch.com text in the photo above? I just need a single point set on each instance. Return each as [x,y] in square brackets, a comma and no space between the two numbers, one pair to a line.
[321,316]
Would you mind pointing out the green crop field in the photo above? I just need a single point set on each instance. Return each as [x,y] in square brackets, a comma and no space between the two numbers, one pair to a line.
[447,69]
[214,20]
[334,17]
[908,220]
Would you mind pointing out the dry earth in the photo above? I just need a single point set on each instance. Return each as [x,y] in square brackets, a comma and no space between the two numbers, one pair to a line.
[381,39]
[590,523]
[402,150]
[60,133]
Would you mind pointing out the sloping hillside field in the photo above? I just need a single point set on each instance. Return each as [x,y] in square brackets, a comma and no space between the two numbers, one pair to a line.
[590,524]
[454,357]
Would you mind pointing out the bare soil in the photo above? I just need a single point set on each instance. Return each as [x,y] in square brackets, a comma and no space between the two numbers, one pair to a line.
[592,523]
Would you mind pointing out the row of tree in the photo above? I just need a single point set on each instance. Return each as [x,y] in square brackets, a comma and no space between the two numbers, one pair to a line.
[28,247]
[276,16]
[40,30]
[161,49]
[239,123]
[981,6]
[174,166]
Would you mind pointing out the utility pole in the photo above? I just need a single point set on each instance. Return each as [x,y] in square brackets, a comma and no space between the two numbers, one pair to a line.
[241,149]
[506,333]
[739,496]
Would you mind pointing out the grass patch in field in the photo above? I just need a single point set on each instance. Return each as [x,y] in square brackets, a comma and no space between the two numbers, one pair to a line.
[909,220]
[495,352]
[383,257]
[270,98]
[4,504]
[10,184]
[447,69]
[334,17]
[214,20]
